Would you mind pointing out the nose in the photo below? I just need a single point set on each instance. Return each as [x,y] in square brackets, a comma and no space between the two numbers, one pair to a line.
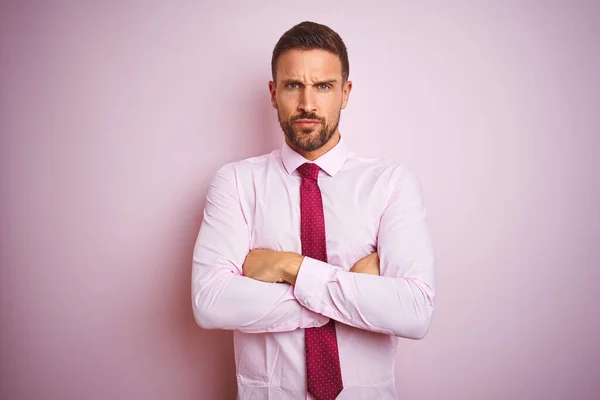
[307,100]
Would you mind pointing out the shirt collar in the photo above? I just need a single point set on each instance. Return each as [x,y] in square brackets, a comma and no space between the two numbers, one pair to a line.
[330,162]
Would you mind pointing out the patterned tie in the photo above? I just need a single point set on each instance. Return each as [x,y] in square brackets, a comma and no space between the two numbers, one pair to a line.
[324,376]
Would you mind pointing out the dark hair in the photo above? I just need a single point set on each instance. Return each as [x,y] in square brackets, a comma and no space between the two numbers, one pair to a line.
[309,35]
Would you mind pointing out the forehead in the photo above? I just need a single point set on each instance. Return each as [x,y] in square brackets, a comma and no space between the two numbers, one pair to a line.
[308,65]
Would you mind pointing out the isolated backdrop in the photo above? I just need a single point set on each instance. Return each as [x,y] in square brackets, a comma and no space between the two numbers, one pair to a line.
[114,116]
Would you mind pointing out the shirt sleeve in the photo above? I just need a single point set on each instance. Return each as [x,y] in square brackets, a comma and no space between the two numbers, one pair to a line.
[222,298]
[400,301]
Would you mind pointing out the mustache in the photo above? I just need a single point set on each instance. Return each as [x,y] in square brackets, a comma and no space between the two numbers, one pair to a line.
[312,116]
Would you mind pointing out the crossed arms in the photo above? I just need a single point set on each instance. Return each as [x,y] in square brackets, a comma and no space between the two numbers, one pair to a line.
[260,290]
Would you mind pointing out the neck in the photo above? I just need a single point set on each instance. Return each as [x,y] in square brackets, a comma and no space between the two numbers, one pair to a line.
[313,155]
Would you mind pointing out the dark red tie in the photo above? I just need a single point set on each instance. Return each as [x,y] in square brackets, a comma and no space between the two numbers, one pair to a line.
[324,376]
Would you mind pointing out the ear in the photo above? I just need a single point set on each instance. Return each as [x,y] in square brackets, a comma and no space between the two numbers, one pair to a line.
[346,93]
[272,92]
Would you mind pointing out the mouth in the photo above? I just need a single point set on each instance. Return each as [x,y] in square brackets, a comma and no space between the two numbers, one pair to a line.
[307,122]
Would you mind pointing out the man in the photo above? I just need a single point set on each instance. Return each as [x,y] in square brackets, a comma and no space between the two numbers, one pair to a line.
[316,258]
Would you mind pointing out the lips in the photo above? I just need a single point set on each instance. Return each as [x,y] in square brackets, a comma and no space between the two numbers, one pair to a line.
[307,122]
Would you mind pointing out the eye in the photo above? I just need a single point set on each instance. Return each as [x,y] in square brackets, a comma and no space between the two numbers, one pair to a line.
[324,86]
[293,85]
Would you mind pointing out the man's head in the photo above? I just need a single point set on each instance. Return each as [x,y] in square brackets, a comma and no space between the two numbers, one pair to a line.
[310,86]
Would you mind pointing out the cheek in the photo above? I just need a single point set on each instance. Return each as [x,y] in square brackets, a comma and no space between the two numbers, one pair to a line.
[330,100]
[333,107]
[285,106]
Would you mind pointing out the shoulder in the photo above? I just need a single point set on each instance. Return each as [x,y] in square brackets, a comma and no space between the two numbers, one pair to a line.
[229,178]
[248,165]
[393,172]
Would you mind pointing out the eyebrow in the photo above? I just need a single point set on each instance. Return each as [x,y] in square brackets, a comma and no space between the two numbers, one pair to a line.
[329,82]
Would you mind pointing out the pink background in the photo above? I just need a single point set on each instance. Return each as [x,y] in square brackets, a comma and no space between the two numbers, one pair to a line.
[115,115]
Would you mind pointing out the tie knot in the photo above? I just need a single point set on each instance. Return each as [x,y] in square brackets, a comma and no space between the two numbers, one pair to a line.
[309,170]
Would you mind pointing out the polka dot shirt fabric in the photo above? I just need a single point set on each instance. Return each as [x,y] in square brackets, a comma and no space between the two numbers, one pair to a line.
[324,376]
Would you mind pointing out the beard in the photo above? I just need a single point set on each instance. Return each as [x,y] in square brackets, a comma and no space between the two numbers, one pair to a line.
[309,139]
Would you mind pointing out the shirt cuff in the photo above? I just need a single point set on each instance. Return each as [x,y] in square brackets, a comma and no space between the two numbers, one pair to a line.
[311,283]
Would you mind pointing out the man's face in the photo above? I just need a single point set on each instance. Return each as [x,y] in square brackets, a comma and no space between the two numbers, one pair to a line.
[308,96]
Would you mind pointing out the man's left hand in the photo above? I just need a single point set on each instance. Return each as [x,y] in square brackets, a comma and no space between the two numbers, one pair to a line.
[272,266]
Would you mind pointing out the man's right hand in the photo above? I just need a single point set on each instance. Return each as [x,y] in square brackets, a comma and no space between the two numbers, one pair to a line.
[367,265]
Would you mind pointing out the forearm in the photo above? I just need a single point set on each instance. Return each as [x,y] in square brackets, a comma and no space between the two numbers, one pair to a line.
[223,299]
[391,305]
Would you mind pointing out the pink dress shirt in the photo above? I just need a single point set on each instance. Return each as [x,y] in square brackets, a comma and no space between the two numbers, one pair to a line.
[369,205]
